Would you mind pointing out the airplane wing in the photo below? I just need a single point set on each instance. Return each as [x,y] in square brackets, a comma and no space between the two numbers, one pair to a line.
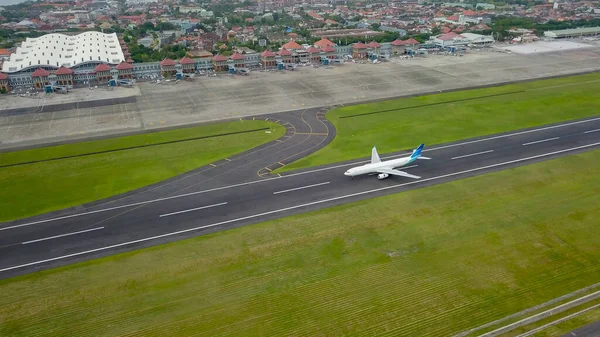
[398,173]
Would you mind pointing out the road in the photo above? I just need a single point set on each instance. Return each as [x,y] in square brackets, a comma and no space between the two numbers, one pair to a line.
[239,191]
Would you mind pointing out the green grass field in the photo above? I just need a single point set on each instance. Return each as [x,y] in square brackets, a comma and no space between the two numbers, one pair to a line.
[428,262]
[42,187]
[543,102]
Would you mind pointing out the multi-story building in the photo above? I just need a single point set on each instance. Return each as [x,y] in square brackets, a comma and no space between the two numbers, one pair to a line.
[53,51]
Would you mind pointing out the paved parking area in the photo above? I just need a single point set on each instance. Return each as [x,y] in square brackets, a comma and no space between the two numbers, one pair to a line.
[209,99]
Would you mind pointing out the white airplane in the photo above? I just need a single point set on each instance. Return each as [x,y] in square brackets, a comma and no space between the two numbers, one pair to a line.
[384,169]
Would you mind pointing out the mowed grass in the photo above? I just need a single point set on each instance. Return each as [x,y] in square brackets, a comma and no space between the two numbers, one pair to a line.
[543,102]
[47,186]
[428,262]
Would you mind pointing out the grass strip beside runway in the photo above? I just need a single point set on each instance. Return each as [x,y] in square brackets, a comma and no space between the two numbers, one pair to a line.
[47,186]
[447,117]
[427,262]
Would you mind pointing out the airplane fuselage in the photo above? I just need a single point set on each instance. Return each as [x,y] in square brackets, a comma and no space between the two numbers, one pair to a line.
[372,168]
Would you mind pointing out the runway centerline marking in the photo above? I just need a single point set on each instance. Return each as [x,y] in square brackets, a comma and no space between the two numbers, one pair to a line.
[290,175]
[301,188]
[472,154]
[62,235]
[590,131]
[541,141]
[193,209]
[292,207]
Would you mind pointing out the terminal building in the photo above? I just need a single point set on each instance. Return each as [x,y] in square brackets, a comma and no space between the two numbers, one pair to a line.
[62,60]
[58,62]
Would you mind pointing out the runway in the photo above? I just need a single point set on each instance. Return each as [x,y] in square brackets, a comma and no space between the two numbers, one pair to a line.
[239,191]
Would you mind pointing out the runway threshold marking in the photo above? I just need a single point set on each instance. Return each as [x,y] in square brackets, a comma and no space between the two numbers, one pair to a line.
[301,188]
[299,173]
[294,207]
[193,209]
[541,141]
[472,154]
[62,235]
[227,159]
[590,131]
[213,165]
[280,163]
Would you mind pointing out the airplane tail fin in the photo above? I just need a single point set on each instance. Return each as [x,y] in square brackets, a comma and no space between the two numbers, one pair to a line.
[417,152]
[375,156]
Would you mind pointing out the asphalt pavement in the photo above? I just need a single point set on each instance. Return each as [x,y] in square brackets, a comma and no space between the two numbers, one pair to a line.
[240,190]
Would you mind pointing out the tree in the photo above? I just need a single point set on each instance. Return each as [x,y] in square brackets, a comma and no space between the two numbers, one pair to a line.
[162,26]
[146,26]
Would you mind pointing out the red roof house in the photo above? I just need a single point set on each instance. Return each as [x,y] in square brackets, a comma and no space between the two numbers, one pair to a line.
[267,53]
[373,44]
[322,43]
[284,52]
[219,58]
[63,71]
[186,60]
[312,50]
[398,43]
[360,45]
[39,72]
[167,62]
[3,76]
[102,67]
[124,66]
[237,56]
[292,45]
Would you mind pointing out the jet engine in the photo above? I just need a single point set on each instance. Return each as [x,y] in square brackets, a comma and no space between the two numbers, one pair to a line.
[382,176]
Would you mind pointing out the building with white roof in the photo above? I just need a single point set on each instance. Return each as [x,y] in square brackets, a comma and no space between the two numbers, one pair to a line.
[478,39]
[52,51]
[451,39]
